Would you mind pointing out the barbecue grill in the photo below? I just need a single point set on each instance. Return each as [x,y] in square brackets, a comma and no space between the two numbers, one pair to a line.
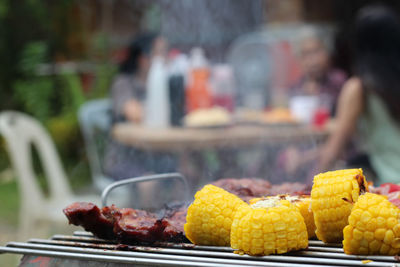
[83,249]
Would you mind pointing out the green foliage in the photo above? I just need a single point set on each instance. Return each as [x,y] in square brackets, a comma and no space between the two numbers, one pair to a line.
[72,95]
[35,36]
[9,200]
[4,6]
[32,55]
[34,92]
[35,96]
[104,74]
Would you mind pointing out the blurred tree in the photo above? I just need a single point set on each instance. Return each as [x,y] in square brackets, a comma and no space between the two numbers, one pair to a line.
[26,21]
[38,32]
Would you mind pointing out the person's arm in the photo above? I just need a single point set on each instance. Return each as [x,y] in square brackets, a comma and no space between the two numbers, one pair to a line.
[350,106]
[124,103]
[133,110]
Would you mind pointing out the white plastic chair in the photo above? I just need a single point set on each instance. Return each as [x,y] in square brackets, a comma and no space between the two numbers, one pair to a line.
[21,132]
[95,119]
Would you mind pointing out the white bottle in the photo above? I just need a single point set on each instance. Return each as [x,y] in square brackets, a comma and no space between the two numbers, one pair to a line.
[157,113]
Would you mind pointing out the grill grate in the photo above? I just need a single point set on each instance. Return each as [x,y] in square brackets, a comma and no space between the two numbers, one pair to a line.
[84,247]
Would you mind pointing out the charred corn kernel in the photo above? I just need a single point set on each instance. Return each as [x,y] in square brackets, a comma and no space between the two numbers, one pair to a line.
[303,203]
[267,227]
[209,217]
[330,211]
[372,237]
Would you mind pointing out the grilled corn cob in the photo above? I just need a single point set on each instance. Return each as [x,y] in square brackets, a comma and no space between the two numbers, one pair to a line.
[374,227]
[329,209]
[209,217]
[303,203]
[267,227]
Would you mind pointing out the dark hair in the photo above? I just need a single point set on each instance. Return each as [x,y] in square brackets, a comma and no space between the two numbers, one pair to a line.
[142,45]
[377,55]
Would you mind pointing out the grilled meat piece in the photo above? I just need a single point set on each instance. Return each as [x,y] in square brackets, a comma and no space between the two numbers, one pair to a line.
[174,230]
[138,226]
[92,219]
[246,188]
[249,188]
[290,188]
[127,225]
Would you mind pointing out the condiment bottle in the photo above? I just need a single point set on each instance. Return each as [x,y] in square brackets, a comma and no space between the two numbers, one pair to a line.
[177,71]
[198,93]
[223,86]
[157,107]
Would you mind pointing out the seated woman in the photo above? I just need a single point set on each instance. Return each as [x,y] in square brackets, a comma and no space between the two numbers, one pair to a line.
[319,80]
[370,99]
[319,77]
[128,92]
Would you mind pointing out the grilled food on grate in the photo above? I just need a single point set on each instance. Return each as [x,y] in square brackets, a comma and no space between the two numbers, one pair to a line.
[303,203]
[373,228]
[329,208]
[127,225]
[210,216]
[249,188]
[246,188]
[269,226]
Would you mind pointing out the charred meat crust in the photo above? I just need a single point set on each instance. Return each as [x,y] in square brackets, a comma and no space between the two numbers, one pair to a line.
[92,219]
[127,226]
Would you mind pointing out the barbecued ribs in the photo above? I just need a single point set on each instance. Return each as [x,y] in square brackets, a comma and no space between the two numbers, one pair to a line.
[246,188]
[131,226]
[89,216]
[128,226]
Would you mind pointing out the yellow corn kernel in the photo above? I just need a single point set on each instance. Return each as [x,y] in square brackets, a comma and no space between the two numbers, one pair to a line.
[268,226]
[209,217]
[331,212]
[372,232]
[303,203]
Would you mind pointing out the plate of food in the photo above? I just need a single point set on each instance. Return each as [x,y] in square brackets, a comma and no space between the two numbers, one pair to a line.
[272,117]
[215,117]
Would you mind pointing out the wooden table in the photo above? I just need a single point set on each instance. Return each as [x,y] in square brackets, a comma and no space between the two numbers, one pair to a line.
[188,144]
[197,139]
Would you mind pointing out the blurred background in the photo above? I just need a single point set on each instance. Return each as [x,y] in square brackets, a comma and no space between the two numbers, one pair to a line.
[58,55]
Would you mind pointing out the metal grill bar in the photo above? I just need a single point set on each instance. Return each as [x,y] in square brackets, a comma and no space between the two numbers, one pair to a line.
[166,246]
[161,244]
[140,179]
[83,246]
[338,253]
[218,258]
[313,251]
[115,259]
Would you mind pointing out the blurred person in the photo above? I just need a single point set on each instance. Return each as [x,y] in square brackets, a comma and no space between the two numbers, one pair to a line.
[128,90]
[318,78]
[370,99]
[128,93]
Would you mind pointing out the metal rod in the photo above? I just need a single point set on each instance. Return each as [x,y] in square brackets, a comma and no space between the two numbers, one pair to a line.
[88,248]
[104,258]
[83,233]
[322,244]
[325,249]
[173,175]
[294,257]
[161,261]
[319,249]
[113,245]
[81,238]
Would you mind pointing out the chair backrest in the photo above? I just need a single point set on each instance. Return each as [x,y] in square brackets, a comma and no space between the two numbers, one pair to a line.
[95,120]
[21,132]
